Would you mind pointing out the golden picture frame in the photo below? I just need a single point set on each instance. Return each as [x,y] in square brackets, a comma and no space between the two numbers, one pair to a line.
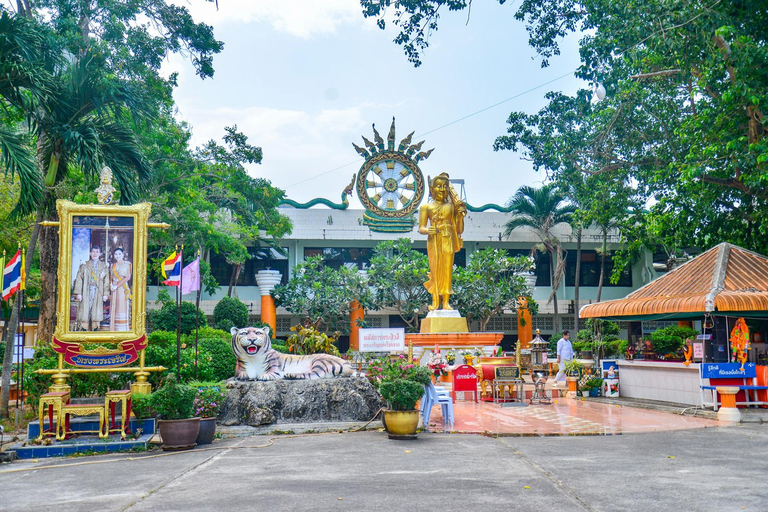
[102,272]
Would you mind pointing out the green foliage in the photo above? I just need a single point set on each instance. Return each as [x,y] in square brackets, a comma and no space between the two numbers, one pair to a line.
[208,400]
[216,361]
[401,394]
[396,367]
[307,340]
[491,282]
[573,368]
[398,274]
[173,401]
[600,336]
[208,196]
[82,384]
[161,337]
[141,405]
[670,339]
[591,383]
[322,294]
[164,319]
[230,312]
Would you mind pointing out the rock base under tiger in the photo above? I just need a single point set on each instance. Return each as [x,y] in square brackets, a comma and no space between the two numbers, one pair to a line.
[261,403]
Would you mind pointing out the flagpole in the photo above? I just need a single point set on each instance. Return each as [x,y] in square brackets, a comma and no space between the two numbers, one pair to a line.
[178,318]
[23,296]
[197,311]
[19,296]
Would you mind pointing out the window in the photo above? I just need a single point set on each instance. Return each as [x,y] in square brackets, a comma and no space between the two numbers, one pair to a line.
[336,257]
[501,323]
[543,277]
[260,258]
[590,270]
[544,323]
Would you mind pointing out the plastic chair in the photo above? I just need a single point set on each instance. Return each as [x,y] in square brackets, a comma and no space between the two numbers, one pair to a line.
[431,398]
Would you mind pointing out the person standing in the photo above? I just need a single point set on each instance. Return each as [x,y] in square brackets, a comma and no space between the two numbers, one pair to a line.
[90,290]
[564,355]
[120,293]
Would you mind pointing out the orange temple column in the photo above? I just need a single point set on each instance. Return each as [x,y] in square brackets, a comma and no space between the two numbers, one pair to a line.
[356,313]
[524,324]
[266,280]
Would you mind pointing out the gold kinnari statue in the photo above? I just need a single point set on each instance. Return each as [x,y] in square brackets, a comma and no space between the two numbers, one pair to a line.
[445,214]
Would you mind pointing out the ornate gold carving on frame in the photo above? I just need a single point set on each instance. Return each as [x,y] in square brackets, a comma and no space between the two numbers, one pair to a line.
[140,214]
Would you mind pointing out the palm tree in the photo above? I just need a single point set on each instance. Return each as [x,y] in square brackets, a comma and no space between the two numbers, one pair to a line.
[541,209]
[79,117]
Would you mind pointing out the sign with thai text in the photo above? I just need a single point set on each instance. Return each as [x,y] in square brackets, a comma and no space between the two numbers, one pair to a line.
[698,350]
[465,379]
[728,371]
[507,372]
[382,340]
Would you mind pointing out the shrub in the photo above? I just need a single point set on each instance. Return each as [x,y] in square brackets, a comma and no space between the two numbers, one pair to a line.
[208,400]
[165,318]
[670,339]
[230,312]
[307,340]
[173,401]
[162,337]
[401,394]
[141,405]
[215,359]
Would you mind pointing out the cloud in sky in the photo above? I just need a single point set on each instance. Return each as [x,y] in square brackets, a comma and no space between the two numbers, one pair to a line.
[301,18]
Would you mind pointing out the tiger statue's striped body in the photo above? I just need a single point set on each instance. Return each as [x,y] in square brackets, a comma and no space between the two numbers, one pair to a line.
[257,360]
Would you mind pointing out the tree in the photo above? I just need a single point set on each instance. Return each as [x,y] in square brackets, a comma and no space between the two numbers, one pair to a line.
[541,210]
[207,195]
[321,294]
[398,273]
[491,283]
[684,118]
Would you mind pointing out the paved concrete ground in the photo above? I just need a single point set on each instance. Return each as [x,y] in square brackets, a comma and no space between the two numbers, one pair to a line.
[712,469]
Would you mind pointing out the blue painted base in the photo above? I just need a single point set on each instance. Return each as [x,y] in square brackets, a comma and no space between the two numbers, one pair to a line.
[84,442]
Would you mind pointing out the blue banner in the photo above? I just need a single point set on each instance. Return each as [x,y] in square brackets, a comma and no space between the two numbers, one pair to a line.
[728,371]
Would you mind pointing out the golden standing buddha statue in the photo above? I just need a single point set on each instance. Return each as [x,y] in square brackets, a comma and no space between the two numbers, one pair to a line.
[445,214]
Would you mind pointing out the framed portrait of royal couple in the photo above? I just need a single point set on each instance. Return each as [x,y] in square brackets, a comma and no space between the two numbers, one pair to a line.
[102,272]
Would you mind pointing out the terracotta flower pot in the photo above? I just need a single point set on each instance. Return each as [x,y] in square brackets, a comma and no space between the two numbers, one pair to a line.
[179,434]
[401,424]
[207,431]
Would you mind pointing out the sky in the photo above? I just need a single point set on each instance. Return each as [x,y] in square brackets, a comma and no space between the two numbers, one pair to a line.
[303,79]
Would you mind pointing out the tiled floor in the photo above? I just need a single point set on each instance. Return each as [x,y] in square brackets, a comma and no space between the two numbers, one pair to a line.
[563,417]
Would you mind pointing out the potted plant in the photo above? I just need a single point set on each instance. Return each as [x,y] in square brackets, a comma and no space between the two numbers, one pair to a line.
[174,403]
[141,407]
[401,385]
[207,403]
[450,357]
[591,386]
[573,369]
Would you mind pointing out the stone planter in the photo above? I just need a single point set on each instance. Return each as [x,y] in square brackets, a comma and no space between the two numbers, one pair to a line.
[179,434]
[401,424]
[207,431]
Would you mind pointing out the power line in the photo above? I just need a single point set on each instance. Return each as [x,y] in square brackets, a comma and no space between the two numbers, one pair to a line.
[444,126]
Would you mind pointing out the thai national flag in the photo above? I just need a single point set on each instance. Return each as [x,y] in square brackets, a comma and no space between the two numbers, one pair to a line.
[172,270]
[12,281]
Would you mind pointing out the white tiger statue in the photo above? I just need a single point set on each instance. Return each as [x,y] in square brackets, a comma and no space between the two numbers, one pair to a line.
[257,360]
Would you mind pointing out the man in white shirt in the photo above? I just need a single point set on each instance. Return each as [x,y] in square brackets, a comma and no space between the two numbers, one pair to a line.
[564,354]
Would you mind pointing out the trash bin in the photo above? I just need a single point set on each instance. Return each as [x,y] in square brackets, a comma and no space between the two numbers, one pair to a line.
[611,388]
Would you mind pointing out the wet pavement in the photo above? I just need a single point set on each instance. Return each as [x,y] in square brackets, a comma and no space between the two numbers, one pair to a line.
[562,417]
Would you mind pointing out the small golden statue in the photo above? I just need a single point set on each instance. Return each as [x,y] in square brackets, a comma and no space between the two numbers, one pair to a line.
[105,191]
[445,214]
